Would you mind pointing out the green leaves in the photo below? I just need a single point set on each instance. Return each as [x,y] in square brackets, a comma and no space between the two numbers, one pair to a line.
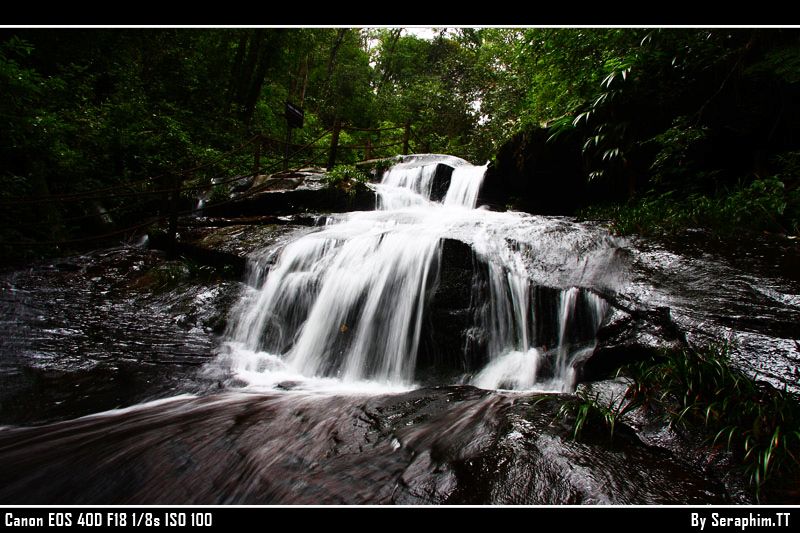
[348,178]
[618,68]
[587,410]
[559,126]
[755,423]
[582,116]
[764,204]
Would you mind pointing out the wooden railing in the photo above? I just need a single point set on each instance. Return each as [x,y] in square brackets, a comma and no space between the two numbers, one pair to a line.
[157,199]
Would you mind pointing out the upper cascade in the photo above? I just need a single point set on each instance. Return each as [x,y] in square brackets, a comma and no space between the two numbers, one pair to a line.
[424,178]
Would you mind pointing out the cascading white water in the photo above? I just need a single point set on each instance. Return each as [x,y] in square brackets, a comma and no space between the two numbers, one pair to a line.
[465,184]
[566,308]
[518,352]
[346,303]
[404,186]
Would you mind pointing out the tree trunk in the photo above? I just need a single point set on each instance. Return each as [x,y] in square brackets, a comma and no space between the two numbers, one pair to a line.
[236,68]
[267,48]
[337,43]
[305,81]
[337,126]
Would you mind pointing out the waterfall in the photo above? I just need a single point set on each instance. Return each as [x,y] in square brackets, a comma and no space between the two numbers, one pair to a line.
[346,303]
[404,186]
[465,184]
[536,335]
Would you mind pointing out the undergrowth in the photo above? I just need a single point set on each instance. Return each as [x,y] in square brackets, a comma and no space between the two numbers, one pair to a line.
[697,389]
[767,204]
[347,178]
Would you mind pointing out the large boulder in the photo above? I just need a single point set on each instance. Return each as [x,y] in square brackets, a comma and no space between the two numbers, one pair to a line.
[292,192]
[629,335]
[532,174]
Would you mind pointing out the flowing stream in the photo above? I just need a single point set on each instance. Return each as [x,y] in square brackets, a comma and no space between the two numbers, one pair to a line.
[416,353]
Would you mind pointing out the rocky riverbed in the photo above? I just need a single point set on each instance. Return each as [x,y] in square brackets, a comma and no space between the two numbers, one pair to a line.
[113,392]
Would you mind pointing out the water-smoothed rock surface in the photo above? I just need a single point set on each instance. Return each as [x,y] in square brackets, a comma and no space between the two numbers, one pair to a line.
[288,193]
[107,329]
[443,445]
[370,357]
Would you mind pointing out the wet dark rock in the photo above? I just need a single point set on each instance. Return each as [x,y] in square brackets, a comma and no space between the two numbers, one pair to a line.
[448,445]
[291,193]
[125,327]
[38,395]
[311,178]
[198,305]
[742,293]
[539,176]
[441,182]
[67,267]
[239,240]
[449,313]
[227,246]
[237,184]
[267,220]
[287,385]
[629,335]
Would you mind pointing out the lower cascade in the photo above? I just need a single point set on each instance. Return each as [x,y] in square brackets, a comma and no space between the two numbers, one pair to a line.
[348,304]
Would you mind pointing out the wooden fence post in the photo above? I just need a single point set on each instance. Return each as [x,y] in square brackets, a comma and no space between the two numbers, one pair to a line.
[257,156]
[286,149]
[337,126]
[406,135]
[174,205]
[368,150]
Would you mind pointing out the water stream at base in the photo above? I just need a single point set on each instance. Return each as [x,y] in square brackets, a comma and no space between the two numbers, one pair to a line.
[344,306]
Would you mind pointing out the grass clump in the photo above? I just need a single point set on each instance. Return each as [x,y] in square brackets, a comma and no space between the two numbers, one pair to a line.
[763,205]
[756,423]
[347,178]
[698,390]
[589,410]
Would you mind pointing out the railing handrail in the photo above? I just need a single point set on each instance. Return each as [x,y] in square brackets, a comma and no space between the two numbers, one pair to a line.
[313,152]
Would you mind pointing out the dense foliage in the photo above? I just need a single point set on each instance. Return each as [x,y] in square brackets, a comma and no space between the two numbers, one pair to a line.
[704,399]
[701,122]
[754,422]
[699,128]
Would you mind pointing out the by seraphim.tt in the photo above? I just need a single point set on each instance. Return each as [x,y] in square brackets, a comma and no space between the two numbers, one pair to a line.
[700,521]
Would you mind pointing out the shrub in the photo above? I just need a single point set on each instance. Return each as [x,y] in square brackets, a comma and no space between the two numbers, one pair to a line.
[347,178]
[756,423]
[762,205]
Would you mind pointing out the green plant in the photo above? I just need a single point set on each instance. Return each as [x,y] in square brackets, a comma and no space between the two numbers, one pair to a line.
[679,148]
[763,204]
[756,423]
[348,178]
[382,165]
[586,409]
